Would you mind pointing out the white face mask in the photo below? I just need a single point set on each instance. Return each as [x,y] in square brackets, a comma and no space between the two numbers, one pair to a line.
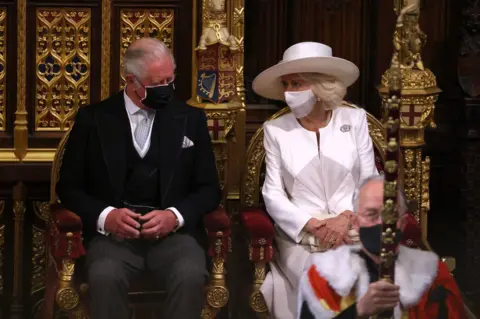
[301,103]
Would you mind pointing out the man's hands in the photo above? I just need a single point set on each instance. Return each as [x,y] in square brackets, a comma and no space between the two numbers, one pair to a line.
[122,223]
[158,223]
[381,296]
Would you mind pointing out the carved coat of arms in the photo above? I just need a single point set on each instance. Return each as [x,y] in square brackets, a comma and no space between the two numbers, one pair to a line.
[216,76]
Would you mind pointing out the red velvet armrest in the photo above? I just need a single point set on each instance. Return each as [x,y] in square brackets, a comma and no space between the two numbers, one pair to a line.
[65,233]
[218,226]
[260,231]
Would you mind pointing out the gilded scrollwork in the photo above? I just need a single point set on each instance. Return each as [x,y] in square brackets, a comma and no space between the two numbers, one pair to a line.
[42,210]
[106,41]
[3,69]
[63,52]
[425,192]
[139,23]
[38,259]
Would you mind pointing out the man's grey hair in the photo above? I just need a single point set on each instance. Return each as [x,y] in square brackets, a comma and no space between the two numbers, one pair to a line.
[328,89]
[402,201]
[137,57]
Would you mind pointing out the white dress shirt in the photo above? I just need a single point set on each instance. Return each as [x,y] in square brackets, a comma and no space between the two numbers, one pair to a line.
[135,115]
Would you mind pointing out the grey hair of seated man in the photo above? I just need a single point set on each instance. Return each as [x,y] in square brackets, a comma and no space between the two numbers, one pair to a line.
[143,51]
[402,201]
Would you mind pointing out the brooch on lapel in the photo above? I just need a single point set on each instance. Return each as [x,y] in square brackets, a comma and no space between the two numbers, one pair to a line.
[345,128]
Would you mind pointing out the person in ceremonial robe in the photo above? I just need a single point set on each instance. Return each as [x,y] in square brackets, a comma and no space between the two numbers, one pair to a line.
[316,156]
[344,283]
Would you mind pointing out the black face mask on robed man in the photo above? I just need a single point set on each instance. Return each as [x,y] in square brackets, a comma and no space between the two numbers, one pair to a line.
[371,238]
[156,97]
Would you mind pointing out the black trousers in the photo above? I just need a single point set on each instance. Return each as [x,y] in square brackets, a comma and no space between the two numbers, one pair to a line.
[177,263]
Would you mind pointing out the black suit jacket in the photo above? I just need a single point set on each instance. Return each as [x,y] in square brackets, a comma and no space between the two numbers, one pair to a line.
[93,171]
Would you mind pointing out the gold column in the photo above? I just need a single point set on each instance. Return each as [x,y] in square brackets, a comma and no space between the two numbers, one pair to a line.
[238,152]
[21,131]
[106,21]
[419,94]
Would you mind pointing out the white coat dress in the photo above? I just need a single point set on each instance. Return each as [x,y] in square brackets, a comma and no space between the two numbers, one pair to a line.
[308,177]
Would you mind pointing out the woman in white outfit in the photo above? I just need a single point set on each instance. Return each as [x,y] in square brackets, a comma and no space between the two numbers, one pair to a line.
[315,158]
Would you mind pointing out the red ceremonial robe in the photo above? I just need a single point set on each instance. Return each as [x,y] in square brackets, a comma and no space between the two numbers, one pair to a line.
[336,279]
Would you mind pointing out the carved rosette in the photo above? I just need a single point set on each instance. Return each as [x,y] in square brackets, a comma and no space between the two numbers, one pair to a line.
[67,298]
[217,296]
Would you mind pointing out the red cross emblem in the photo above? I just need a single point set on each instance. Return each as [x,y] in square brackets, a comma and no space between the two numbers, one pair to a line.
[216,127]
[411,114]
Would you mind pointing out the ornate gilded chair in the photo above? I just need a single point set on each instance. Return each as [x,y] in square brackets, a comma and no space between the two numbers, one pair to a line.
[258,225]
[65,278]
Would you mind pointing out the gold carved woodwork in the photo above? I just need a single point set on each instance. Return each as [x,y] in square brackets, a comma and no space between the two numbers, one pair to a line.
[257,302]
[217,294]
[39,252]
[2,246]
[106,44]
[3,70]
[139,23]
[38,259]
[227,17]
[63,53]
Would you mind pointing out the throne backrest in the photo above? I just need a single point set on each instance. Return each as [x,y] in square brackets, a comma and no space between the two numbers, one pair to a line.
[57,163]
[254,171]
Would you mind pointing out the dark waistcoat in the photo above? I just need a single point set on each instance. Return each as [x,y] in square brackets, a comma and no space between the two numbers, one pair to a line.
[142,178]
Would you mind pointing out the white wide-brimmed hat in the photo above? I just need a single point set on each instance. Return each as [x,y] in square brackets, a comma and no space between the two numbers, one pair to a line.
[304,57]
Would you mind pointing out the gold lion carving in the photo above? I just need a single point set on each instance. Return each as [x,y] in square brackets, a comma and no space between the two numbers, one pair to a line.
[215,26]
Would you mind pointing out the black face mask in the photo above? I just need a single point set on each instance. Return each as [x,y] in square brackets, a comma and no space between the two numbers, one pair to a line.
[371,238]
[156,97]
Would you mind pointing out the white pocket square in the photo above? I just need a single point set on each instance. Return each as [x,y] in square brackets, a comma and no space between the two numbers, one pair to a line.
[187,142]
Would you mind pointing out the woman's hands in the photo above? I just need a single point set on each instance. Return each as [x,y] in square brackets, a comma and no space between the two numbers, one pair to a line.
[332,232]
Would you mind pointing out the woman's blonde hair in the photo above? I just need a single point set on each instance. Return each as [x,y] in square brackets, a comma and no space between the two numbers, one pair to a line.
[328,89]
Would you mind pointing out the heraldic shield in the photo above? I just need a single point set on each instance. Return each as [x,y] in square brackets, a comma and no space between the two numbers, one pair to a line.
[216,77]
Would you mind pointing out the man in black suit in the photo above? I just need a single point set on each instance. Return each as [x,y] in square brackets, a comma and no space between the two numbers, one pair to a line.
[139,170]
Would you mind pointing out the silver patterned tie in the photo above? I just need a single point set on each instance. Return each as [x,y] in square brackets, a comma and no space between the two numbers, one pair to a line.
[142,129]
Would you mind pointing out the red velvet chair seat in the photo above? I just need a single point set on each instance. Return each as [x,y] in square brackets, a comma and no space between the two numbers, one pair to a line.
[64,241]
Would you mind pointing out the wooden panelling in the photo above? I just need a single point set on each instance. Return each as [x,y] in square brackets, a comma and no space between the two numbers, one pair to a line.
[59,67]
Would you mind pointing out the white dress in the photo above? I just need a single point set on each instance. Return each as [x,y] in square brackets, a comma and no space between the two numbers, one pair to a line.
[304,181]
